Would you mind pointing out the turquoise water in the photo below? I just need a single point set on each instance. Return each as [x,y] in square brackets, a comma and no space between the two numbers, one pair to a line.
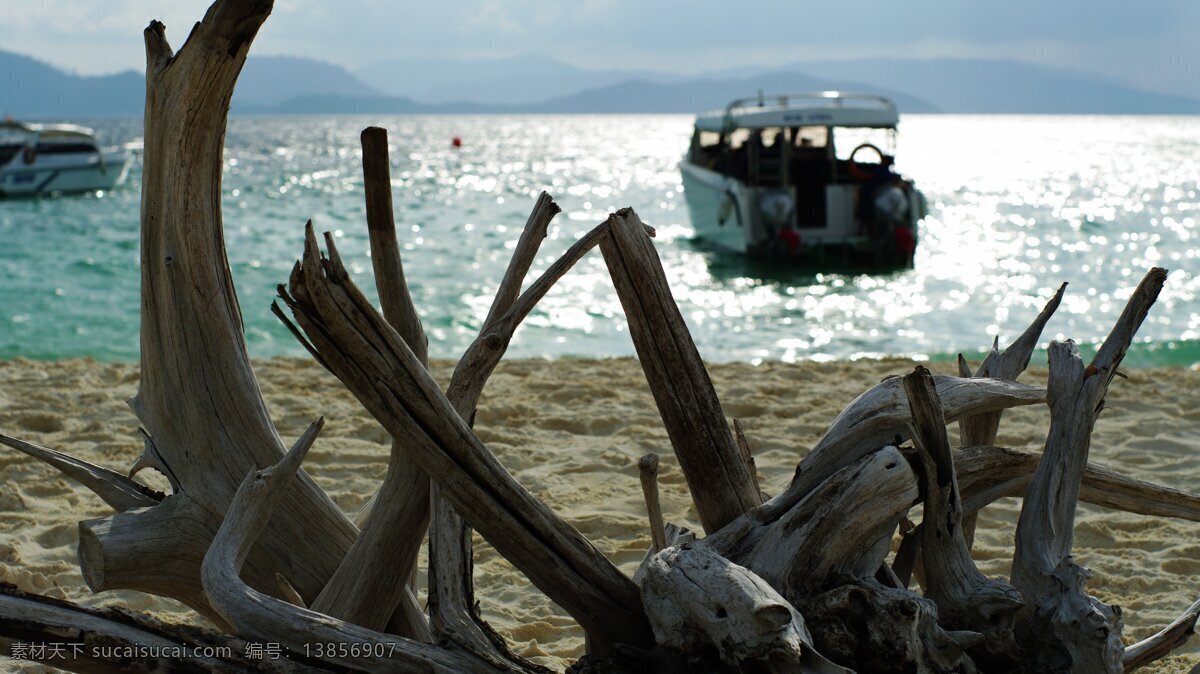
[1017,205]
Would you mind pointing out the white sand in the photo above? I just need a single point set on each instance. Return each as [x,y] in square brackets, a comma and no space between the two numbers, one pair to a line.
[572,431]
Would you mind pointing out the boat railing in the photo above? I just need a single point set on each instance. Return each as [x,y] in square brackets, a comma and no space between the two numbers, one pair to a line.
[834,99]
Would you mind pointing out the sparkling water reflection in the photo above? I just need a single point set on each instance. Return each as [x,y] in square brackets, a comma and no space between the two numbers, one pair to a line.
[1018,205]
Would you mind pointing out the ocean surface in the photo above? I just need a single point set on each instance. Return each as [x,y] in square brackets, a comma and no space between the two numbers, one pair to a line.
[1017,206]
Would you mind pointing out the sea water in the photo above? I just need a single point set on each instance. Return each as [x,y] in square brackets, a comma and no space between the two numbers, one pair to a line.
[1017,205]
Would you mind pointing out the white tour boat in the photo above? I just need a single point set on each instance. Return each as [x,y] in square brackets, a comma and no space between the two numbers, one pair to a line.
[56,158]
[805,177]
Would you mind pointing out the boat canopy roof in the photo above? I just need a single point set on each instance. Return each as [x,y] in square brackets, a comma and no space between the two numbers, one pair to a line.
[823,108]
[48,130]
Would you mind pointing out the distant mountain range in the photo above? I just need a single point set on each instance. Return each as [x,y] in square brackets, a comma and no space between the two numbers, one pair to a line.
[30,88]
[513,81]
[979,86]
[533,84]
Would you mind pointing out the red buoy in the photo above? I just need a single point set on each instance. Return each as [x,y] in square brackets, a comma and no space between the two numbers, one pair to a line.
[456,141]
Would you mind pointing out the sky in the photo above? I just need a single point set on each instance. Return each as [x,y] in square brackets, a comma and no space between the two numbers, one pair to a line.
[1153,45]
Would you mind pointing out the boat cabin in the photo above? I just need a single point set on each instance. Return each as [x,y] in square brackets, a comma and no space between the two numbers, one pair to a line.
[800,166]
[40,159]
[34,140]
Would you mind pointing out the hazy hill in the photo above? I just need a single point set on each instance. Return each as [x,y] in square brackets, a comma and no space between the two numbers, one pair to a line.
[270,80]
[370,105]
[981,86]
[532,83]
[518,80]
[30,88]
[708,94]
[281,85]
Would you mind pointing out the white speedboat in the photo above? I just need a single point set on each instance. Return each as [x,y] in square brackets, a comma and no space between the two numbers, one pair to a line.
[806,177]
[56,158]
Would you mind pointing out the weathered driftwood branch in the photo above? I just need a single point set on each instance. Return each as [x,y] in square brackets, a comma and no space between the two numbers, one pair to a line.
[1161,643]
[721,480]
[1062,627]
[989,473]
[156,550]
[197,397]
[394,297]
[700,603]
[981,429]
[78,639]
[966,599]
[739,435]
[119,492]
[372,579]
[258,617]
[832,534]
[648,474]
[881,416]
[452,604]
[374,363]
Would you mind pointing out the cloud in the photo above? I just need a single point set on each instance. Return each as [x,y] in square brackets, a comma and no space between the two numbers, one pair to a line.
[1152,42]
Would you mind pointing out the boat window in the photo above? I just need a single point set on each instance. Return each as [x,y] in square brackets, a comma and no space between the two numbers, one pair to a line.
[738,138]
[8,151]
[810,136]
[771,135]
[709,139]
[849,138]
[65,148]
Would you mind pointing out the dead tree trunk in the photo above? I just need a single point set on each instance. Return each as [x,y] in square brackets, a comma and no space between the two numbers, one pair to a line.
[357,345]
[966,599]
[720,478]
[373,578]
[198,399]
[1066,629]
[981,429]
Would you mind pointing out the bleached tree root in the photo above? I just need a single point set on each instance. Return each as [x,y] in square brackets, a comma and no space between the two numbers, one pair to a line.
[259,617]
[872,628]
[358,345]
[118,491]
[700,602]
[966,599]
[1062,627]
[833,534]
[881,416]
[1161,643]
[719,475]
[74,638]
[990,473]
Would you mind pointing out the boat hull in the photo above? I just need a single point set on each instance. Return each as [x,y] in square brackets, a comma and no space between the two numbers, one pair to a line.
[64,174]
[718,206]
[725,214]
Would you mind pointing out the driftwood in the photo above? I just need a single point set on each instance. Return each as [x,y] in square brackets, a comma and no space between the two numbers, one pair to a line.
[800,582]
[198,399]
[648,468]
[718,474]
[699,601]
[981,429]
[989,473]
[966,599]
[1065,628]
[79,639]
[372,579]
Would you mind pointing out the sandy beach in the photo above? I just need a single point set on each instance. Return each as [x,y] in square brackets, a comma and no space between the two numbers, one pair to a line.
[572,430]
